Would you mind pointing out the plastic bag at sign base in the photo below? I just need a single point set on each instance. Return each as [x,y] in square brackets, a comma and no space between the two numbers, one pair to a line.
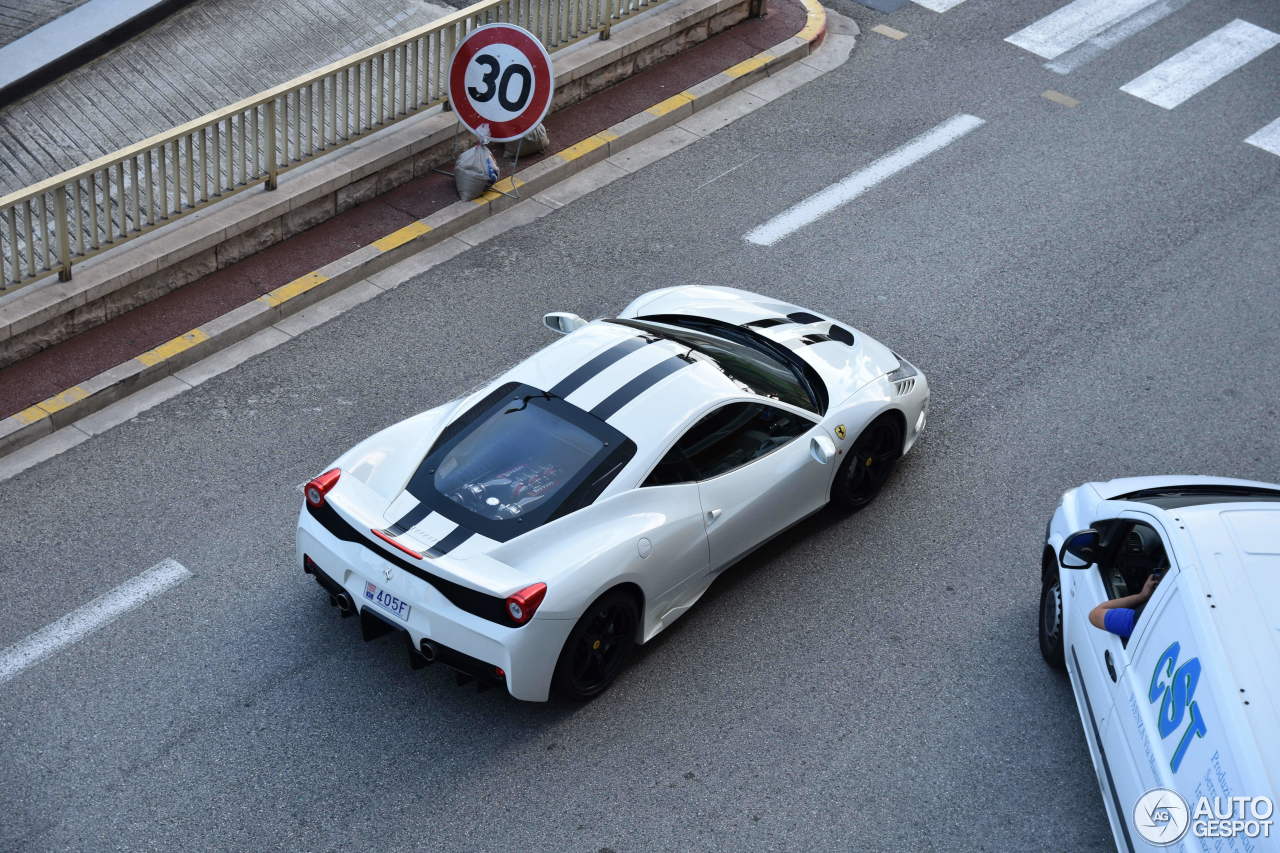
[474,171]
[533,142]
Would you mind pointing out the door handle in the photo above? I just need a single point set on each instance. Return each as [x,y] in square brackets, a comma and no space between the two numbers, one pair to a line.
[712,515]
[1111,665]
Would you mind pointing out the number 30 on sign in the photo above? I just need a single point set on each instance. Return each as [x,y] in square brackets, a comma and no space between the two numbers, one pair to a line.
[501,76]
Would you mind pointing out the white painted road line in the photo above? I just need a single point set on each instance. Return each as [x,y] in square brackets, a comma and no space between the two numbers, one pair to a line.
[1268,139]
[938,5]
[819,205]
[1202,64]
[1073,24]
[83,621]
[1094,47]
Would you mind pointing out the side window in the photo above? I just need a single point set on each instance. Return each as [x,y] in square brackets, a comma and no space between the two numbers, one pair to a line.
[1133,550]
[725,439]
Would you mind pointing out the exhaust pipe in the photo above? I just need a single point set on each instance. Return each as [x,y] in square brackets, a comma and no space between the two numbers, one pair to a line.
[429,650]
[345,605]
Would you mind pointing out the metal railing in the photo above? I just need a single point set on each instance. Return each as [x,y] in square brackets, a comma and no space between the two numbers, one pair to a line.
[48,226]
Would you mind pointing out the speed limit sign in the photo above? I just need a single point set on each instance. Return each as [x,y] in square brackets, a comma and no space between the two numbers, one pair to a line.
[501,76]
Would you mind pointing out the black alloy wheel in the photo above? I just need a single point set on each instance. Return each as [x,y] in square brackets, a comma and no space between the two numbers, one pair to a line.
[867,465]
[1051,642]
[598,647]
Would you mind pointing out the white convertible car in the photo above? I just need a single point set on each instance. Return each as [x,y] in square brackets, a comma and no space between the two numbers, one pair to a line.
[535,531]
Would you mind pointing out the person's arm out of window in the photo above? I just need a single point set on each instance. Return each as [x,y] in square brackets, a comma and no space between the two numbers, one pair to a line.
[1098,616]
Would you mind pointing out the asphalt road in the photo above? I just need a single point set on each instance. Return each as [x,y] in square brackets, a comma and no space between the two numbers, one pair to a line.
[1091,291]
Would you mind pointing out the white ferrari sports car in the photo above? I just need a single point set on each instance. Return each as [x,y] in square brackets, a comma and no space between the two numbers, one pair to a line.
[534,532]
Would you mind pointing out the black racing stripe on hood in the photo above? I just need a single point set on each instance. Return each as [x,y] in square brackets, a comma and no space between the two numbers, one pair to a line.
[410,519]
[767,322]
[448,543]
[609,406]
[814,339]
[585,372]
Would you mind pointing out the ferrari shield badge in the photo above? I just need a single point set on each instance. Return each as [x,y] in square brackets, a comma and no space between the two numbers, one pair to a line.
[840,431]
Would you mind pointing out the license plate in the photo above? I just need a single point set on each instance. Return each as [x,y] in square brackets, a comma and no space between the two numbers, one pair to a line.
[387,601]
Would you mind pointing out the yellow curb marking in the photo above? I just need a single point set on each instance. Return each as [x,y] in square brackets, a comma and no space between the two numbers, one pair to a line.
[896,35]
[401,236]
[586,146]
[56,403]
[298,286]
[670,105]
[811,29]
[31,414]
[499,189]
[815,21]
[62,399]
[1059,98]
[746,66]
[169,349]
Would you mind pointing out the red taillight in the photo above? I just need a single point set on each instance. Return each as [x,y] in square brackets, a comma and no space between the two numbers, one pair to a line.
[321,486]
[522,605]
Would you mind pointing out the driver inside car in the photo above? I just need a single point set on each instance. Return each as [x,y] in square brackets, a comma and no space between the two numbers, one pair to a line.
[1119,615]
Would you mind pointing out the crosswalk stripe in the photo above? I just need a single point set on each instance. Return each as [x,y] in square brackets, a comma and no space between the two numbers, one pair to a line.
[938,5]
[1202,64]
[1073,24]
[1268,138]
[1094,46]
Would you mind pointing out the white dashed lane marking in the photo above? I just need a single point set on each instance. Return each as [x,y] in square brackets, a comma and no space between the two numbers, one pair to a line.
[83,621]
[817,206]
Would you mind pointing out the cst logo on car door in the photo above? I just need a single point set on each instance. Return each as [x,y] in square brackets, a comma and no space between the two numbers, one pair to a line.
[1174,690]
[1173,712]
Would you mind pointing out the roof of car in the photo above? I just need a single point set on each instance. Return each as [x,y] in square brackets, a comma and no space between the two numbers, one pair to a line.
[1236,564]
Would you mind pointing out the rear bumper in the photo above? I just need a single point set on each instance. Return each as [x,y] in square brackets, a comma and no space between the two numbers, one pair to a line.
[466,642]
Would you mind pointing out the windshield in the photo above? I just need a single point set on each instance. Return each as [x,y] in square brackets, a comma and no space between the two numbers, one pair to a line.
[1175,497]
[517,459]
[752,363]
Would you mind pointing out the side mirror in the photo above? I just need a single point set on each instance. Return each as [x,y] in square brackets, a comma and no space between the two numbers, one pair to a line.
[1080,550]
[563,322]
[822,449]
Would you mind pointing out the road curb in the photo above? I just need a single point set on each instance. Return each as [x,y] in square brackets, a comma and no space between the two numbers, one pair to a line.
[154,365]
